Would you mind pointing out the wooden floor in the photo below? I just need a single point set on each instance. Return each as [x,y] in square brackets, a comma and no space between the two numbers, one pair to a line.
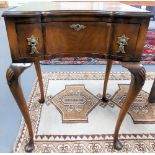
[129,2]
[145,3]
[3,4]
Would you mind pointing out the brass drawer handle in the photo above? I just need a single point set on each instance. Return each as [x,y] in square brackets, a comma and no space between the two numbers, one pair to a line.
[33,42]
[77,27]
[122,41]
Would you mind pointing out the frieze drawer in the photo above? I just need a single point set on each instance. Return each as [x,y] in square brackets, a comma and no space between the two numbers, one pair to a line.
[124,41]
[77,37]
[26,31]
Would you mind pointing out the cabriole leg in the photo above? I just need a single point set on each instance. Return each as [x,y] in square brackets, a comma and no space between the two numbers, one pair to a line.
[137,82]
[107,73]
[152,93]
[13,73]
[39,74]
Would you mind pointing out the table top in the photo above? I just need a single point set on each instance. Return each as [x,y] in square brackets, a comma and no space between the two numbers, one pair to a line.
[93,6]
[77,7]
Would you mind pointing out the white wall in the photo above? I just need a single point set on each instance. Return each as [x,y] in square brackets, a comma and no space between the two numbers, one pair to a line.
[18,2]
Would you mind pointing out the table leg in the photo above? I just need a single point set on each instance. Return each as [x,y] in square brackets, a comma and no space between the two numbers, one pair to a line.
[12,75]
[151,98]
[137,81]
[39,74]
[107,73]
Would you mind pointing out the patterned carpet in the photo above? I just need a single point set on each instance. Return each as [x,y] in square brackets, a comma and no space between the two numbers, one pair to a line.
[149,48]
[148,55]
[73,119]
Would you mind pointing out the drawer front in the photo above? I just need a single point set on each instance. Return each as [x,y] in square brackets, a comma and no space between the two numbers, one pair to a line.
[77,38]
[124,41]
[25,31]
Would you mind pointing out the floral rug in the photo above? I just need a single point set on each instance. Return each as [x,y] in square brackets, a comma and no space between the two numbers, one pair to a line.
[148,55]
[73,119]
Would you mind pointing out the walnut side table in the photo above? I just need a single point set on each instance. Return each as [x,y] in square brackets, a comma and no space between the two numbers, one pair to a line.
[45,30]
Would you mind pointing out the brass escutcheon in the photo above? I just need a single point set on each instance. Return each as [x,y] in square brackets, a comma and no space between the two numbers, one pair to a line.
[122,41]
[77,27]
[33,42]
